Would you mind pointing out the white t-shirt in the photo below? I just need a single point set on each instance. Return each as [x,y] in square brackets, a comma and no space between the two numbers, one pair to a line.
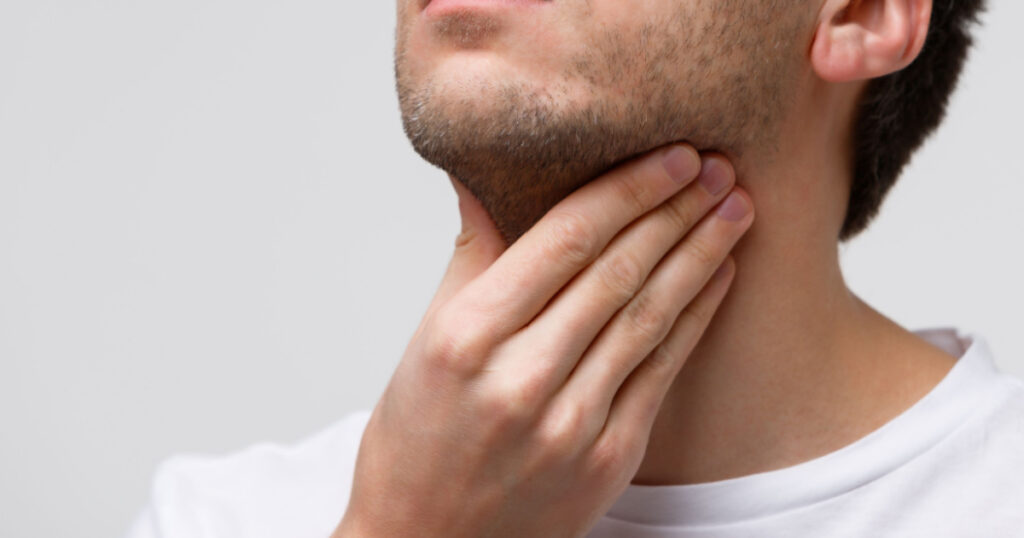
[951,465]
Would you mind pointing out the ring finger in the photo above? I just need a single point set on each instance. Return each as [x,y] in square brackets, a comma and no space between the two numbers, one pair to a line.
[641,325]
[571,320]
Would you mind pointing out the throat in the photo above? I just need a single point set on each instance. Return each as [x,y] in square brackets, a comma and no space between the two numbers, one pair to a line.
[753,403]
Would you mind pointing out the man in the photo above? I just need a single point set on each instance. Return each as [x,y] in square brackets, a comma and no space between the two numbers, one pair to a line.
[582,370]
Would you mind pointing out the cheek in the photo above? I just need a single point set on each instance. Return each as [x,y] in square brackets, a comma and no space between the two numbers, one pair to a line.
[626,39]
[631,16]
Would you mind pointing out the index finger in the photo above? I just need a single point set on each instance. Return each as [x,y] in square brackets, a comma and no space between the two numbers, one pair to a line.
[573,233]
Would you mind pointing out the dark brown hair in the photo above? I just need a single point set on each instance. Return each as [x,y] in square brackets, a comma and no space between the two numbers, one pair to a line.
[899,111]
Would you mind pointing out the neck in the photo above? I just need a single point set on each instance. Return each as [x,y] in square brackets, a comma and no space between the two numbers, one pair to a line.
[793,365]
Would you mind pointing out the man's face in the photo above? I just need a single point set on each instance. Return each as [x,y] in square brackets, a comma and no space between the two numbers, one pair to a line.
[525,100]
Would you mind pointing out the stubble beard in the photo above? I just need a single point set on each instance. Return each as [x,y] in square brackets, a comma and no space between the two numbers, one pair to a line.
[532,147]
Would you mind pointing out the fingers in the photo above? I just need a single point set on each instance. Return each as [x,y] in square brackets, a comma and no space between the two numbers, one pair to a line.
[639,327]
[569,323]
[518,285]
[636,405]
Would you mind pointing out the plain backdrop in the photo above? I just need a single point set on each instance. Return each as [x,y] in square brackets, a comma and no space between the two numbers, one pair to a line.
[213,232]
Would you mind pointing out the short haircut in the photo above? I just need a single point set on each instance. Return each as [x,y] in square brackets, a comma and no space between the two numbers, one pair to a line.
[899,111]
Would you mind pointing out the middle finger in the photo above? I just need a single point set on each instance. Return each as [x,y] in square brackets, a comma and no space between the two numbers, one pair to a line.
[571,320]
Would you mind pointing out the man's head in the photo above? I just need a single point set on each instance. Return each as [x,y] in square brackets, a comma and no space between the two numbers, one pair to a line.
[525,100]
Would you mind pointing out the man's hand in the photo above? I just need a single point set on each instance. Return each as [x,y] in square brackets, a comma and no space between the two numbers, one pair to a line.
[524,401]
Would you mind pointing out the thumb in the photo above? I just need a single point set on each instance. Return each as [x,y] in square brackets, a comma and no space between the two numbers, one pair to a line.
[477,246]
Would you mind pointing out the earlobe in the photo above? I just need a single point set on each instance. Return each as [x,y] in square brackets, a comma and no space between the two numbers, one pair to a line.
[864,39]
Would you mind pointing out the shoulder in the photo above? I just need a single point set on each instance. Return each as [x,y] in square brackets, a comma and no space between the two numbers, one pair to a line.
[977,478]
[264,490]
[1003,427]
[982,464]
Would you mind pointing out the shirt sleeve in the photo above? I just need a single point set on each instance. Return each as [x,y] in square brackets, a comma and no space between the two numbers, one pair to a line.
[171,510]
[265,490]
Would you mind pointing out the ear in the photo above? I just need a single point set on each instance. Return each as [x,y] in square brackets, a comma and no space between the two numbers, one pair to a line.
[864,39]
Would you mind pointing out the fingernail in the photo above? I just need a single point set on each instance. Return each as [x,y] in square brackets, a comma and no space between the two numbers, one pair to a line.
[681,164]
[734,208]
[714,176]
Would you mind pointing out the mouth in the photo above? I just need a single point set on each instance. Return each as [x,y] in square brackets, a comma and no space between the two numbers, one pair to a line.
[437,7]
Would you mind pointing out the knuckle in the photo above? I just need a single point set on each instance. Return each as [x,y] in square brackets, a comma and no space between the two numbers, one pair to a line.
[456,343]
[694,316]
[513,401]
[612,458]
[659,359]
[503,411]
[646,319]
[702,252]
[564,430]
[676,211]
[634,190]
[622,274]
[574,237]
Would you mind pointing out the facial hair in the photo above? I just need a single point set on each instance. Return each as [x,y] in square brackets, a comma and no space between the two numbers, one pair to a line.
[719,85]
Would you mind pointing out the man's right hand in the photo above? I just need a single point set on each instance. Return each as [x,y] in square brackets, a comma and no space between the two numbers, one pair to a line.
[524,402]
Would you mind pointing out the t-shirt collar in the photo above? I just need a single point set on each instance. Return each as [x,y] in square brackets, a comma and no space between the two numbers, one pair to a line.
[900,440]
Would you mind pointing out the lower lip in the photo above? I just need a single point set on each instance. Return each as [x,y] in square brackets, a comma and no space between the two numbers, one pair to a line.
[442,7]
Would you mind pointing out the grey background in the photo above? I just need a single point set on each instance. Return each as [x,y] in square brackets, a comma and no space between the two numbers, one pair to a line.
[213,232]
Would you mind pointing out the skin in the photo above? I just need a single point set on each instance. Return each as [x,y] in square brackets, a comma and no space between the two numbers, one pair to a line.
[525,105]
[524,401]
[791,366]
